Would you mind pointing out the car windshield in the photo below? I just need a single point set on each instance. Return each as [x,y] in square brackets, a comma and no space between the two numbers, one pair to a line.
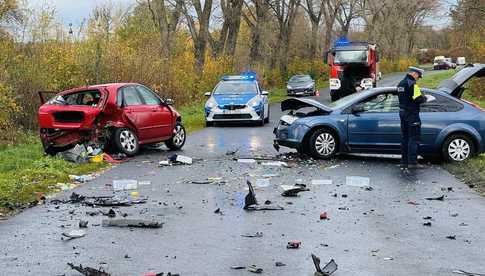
[236,88]
[302,78]
[350,57]
[343,101]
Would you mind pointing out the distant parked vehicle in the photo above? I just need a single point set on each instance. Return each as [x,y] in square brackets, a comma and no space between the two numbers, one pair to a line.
[301,85]
[460,62]
[444,65]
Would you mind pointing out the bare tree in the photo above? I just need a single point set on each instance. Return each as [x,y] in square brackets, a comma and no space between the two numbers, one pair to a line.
[330,11]
[314,9]
[231,12]
[198,27]
[285,13]
[347,13]
[255,17]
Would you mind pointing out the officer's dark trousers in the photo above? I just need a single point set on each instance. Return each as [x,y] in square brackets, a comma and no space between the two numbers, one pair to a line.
[410,135]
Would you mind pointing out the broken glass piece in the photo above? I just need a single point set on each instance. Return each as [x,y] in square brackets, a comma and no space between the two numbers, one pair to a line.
[357,181]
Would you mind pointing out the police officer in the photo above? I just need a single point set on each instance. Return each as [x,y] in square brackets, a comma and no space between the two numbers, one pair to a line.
[410,98]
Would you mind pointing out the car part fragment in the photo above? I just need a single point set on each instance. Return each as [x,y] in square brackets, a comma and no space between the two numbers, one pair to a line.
[327,270]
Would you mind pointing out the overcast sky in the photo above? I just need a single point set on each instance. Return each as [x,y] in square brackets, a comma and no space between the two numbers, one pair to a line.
[74,11]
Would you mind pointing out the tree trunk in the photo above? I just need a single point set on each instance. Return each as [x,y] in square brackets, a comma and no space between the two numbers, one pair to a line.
[314,40]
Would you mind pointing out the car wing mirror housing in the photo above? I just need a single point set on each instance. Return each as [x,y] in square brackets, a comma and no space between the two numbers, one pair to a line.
[265,93]
[207,94]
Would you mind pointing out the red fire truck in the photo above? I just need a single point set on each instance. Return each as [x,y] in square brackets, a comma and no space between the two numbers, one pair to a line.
[353,67]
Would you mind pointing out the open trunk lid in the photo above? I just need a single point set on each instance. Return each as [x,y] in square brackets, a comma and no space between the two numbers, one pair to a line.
[295,104]
[454,85]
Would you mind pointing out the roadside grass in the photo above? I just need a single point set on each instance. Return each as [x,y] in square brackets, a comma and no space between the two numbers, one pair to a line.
[471,172]
[26,173]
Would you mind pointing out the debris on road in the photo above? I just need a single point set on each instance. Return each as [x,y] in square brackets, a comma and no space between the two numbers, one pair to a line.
[275,163]
[141,223]
[413,202]
[451,237]
[323,216]
[427,223]
[440,198]
[251,204]
[292,191]
[125,184]
[293,245]
[357,181]
[83,224]
[327,270]
[427,218]
[321,181]
[208,180]
[78,154]
[73,234]
[111,213]
[255,269]
[232,152]
[237,267]
[81,178]
[279,264]
[88,271]
[255,235]
[462,272]
[388,258]
[246,161]
[218,211]
[176,160]
[262,183]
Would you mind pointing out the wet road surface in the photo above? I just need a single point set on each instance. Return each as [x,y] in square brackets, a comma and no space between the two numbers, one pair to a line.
[376,231]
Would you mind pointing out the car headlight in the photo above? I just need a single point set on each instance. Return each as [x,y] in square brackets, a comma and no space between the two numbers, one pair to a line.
[366,83]
[289,87]
[211,103]
[254,102]
[309,86]
[334,84]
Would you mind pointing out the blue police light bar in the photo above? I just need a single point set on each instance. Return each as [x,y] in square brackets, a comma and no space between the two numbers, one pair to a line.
[342,41]
[244,76]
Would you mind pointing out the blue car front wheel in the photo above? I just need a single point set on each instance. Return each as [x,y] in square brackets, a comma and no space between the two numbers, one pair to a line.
[323,144]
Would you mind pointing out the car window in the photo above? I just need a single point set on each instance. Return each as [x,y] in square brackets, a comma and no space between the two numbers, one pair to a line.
[385,102]
[236,88]
[147,96]
[90,98]
[130,96]
[441,104]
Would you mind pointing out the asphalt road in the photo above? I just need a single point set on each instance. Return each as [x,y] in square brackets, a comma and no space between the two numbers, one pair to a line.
[369,232]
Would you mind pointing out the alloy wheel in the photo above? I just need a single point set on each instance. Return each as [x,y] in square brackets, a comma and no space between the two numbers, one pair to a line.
[459,150]
[128,140]
[179,136]
[325,144]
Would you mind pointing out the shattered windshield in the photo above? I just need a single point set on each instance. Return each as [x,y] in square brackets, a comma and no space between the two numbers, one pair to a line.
[236,88]
[350,57]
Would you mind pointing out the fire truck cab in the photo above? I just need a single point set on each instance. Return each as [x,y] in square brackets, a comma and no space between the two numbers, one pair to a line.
[353,67]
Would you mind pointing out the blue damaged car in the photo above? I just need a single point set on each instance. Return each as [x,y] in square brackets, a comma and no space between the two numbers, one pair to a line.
[235,99]
[452,128]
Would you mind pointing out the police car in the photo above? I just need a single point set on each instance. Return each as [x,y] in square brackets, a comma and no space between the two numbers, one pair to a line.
[237,98]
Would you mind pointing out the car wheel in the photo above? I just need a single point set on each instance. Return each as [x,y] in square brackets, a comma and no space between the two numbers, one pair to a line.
[126,141]
[458,148]
[323,144]
[266,121]
[178,139]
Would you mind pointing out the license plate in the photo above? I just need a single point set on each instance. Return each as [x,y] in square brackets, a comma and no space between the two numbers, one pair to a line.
[228,112]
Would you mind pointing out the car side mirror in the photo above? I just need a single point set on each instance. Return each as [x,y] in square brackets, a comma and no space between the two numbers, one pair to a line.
[169,102]
[357,109]
[207,94]
[265,93]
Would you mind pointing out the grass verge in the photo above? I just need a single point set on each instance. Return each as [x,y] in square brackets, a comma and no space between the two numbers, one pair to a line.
[433,78]
[26,173]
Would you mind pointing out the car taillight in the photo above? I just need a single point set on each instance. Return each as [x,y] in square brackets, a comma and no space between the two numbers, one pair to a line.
[474,105]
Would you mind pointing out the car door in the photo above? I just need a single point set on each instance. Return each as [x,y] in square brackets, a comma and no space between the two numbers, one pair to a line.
[377,125]
[136,112]
[159,123]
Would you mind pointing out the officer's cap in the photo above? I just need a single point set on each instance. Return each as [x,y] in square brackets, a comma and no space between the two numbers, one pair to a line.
[419,71]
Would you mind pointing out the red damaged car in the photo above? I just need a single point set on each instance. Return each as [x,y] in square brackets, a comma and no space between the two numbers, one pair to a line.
[122,116]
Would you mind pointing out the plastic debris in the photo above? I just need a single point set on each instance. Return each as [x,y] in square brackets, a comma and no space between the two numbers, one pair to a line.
[292,191]
[275,163]
[255,269]
[255,235]
[78,154]
[88,271]
[388,258]
[82,178]
[181,159]
[357,181]
[83,224]
[293,245]
[323,216]
[232,152]
[250,203]
[451,237]
[238,267]
[125,184]
[322,182]
[440,198]
[246,161]
[141,223]
[327,270]
[74,234]
[427,223]
[462,272]
[279,264]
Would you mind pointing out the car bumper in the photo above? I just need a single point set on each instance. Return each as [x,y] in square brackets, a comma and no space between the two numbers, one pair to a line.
[225,115]
[289,136]
[300,92]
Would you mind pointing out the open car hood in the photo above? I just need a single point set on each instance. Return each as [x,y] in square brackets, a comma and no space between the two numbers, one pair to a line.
[295,104]
[453,85]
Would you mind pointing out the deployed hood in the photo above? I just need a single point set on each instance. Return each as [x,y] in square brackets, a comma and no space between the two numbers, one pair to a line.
[228,99]
[453,86]
[297,103]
